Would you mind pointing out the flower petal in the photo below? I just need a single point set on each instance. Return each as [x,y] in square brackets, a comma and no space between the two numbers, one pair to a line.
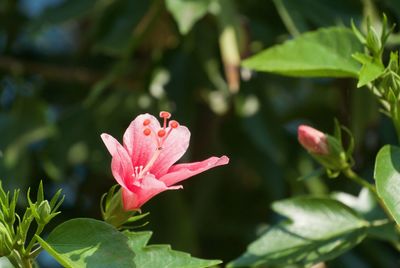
[181,172]
[149,187]
[110,143]
[139,146]
[174,148]
[121,167]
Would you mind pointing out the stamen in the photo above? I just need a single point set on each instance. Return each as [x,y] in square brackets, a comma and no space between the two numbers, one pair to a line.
[146,122]
[161,133]
[137,172]
[153,159]
[160,137]
[173,124]
[165,115]
[147,131]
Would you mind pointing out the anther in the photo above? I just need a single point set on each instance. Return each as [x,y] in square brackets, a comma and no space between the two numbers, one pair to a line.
[146,122]
[173,124]
[165,115]
[161,133]
[147,131]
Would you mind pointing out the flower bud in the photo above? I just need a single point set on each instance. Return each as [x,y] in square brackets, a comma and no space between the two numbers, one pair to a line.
[373,41]
[44,212]
[327,150]
[313,140]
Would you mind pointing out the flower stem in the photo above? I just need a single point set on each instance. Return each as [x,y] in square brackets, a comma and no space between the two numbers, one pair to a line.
[18,260]
[350,174]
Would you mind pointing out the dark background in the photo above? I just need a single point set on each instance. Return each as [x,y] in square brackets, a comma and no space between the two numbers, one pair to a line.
[71,70]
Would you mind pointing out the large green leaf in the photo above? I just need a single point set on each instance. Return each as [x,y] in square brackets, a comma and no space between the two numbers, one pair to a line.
[387,176]
[319,229]
[162,255]
[323,53]
[88,243]
[367,206]
[187,12]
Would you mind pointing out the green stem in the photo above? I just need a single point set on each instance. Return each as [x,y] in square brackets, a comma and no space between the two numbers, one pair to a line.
[19,261]
[34,253]
[396,124]
[39,230]
[350,174]
[27,262]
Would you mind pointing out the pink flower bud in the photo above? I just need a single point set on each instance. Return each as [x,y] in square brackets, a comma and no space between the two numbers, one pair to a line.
[313,140]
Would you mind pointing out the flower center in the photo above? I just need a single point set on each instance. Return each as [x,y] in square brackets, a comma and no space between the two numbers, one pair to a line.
[159,136]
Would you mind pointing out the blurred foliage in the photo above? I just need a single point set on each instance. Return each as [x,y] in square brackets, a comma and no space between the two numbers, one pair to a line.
[70,70]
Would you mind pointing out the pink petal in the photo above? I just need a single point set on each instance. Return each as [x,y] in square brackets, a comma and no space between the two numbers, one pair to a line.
[181,172]
[110,143]
[148,188]
[313,140]
[121,167]
[139,146]
[174,147]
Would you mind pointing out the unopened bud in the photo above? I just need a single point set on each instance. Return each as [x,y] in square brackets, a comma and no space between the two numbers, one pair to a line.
[313,140]
[327,150]
[374,41]
[44,211]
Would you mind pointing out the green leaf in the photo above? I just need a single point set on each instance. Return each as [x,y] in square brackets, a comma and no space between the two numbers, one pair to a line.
[387,176]
[187,12]
[88,243]
[5,263]
[318,229]
[323,53]
[371,69]
[149,256]
[367,206]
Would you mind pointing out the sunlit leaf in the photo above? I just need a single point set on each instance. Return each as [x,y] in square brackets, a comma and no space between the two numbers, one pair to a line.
[88,243]
[366,204]
[323,53]
[318,229]
[149,256]
[5,263]
[387,176]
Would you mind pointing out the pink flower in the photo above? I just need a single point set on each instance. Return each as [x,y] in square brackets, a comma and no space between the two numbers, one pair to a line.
[313,140]
[144,165]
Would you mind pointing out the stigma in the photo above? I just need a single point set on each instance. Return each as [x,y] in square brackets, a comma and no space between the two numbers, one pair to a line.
[160,135]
